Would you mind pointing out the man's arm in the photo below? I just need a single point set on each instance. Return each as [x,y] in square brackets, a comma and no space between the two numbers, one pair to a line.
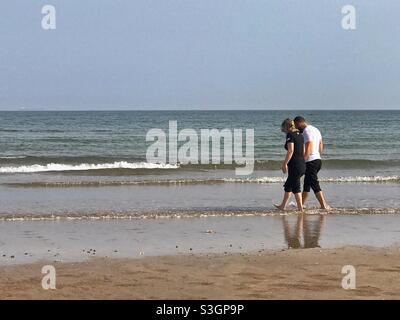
[321,147]
[308,151]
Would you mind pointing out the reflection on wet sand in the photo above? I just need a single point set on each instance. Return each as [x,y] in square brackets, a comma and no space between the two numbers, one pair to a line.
[305,233]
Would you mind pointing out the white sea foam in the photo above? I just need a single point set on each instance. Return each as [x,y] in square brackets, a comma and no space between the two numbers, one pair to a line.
[256,180]
[350,179]
[363,179]
[12,157]
[85,166]
[179,214]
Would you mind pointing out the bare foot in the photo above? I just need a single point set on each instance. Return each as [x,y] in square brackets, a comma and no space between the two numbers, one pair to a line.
[327,208]
[279,206]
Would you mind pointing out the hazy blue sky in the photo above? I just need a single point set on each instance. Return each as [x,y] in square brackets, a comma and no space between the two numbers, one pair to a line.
[262,54]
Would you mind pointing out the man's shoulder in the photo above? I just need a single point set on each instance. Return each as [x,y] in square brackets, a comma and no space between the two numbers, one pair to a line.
[312,130]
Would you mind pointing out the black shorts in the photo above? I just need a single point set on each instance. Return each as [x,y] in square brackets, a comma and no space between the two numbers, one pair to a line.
[292,183]
[311,176]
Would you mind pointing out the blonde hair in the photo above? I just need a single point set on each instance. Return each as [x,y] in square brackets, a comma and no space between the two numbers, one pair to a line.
[289,126]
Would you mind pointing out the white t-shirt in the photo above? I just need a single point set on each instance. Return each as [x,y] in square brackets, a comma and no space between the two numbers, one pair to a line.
[311,133]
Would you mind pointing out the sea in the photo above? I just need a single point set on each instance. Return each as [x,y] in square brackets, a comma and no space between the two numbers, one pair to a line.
[93,165]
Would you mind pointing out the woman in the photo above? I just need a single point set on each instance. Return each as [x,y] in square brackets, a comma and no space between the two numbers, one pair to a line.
[293,164]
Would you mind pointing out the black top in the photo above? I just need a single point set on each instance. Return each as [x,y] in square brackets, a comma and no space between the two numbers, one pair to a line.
[298,152]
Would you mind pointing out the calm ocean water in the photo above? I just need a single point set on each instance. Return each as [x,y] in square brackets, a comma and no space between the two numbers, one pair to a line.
[94,162]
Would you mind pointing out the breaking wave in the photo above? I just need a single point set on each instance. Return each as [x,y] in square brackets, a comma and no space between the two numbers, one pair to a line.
[196,213]
[85,166]
[27,163]
[171,182]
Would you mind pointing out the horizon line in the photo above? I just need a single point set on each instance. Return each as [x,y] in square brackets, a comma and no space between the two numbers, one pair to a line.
[197,110]
[220,108]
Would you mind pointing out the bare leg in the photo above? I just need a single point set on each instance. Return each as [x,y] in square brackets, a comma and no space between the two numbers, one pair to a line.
[299,201]
[305,197]
[285,200]
[321,200]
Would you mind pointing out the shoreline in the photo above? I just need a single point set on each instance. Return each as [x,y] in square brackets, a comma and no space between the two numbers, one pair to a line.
[263,274]
[237,198]
[200,213]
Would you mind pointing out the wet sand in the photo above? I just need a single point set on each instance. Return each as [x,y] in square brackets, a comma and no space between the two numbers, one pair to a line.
[289,274]
[25,242]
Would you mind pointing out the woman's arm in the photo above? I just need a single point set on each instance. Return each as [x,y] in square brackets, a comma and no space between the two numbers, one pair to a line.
[289,154]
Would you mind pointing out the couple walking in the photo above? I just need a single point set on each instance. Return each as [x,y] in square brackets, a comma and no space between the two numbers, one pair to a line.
[304,148]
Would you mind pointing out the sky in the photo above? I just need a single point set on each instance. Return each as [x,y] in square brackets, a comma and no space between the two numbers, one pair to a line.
[199,54]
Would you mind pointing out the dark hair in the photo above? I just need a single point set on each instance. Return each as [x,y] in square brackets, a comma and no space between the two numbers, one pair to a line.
[299,119]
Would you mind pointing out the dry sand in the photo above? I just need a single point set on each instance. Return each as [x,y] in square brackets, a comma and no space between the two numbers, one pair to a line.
[290,274]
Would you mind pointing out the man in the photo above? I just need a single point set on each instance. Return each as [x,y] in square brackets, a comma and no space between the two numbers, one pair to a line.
[312,155]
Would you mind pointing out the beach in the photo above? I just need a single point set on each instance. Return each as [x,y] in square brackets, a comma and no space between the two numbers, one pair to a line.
[77,193]
[199,150]
[289,274]
[248,257]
